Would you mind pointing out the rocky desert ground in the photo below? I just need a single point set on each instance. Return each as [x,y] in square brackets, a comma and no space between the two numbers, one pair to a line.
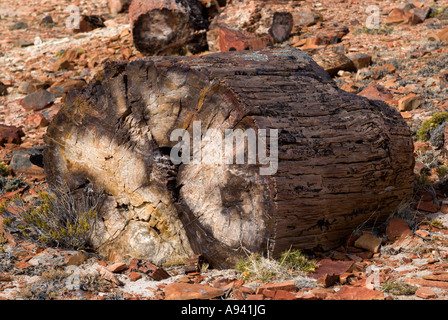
[394,51]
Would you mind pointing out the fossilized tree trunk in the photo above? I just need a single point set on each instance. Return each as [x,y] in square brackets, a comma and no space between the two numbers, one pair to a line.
[168,27]
[343,160]
[257,17]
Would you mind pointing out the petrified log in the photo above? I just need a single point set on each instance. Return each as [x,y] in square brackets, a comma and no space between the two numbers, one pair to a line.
[118,6]
[257,17]
[343,160]
[168,27]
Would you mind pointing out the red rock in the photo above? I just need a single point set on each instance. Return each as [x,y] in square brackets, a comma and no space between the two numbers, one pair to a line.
[443,35]
[425,293]
[360,60]
[36,120]
[328,272]
[427,206]
[314,294]
[397,228]
[368,242]
[117,267]
[410,102]
[255,297]
[356,293]
[422,147]
[284,295]
[10,134]
[285,285]
[89,23]
[428,283]
[238,294]
[134,276]
[444,208]
[38,100]
[186,291]
[235,40]
[376,92]
[269,293]
[423,233]
[398,16]
[437,277]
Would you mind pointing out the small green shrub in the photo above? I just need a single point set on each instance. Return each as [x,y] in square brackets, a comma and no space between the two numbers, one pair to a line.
[442,171]
[398,288]
[290,263]
[11,184]
[424,133]
[60,219]
[384,29]
[4,169]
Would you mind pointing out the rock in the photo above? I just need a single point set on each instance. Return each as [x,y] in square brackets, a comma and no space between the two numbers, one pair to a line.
[109,276]
[443,35]
[329,271]
[20,25]
[77,259]
[376,92]
[155,272]
[428,283]
[334,63]
[52,257]
[36,120]
[436,277]
[398,16]
[59,88]
[410,102]
[369,242]
[46,21]
[288,286]
[194,263]
[88,23]
[235,40]
[397,228]
[306,17]
[67,60]
[186,291]
[134,276]
[3,89]
[281,26]
[428,206]
[118,6]
[38,100]
[356,293]
[10,134]
[117,267]
[28,161]
[50,112]
[425,293]
[421,13]
[360,60]
[32,85]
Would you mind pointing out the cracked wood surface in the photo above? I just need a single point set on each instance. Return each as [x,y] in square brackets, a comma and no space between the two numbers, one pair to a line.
[343,160]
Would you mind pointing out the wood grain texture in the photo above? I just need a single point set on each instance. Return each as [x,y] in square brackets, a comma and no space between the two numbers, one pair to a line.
[343,159]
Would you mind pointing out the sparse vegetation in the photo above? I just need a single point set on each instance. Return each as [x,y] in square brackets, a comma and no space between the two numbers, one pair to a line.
[4,169]
[398,288]
[382,30]
[11,184]
[424,133]
[290,263]
[61,219]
